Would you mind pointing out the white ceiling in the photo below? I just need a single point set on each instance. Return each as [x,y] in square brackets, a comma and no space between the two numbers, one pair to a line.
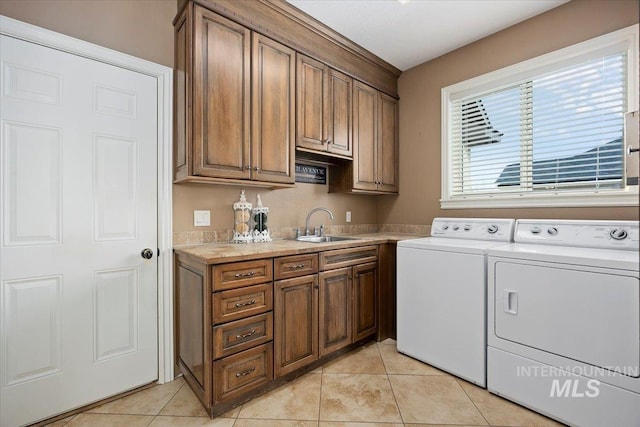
[410,33]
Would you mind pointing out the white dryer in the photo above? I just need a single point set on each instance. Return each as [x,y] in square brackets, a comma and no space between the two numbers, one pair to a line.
[564,321]
[441,294]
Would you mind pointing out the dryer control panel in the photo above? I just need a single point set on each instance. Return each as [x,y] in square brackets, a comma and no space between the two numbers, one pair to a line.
[588,234]
[499,230]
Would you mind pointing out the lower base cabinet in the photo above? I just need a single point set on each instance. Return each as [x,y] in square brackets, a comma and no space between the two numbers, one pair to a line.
[296,323]
[245,327]
[335,309]
[242,372]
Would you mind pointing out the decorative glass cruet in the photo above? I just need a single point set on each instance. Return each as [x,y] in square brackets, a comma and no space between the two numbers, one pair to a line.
[260,229]
[242,217]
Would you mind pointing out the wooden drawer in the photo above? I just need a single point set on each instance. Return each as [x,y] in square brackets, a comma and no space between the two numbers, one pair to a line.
[242,334]
[244,302]
[238,274]
[294,266]
[242,372]
[347,257]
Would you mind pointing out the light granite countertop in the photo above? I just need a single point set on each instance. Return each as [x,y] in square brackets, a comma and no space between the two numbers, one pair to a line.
[216,253]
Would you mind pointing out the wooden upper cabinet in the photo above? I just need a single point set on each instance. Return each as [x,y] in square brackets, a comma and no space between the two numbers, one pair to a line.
[365,134]
[221,97]
[273,119]
[243,102]
[323,109]
[387,143]
[234,103]
[311,89]
[375,144]
[339,114]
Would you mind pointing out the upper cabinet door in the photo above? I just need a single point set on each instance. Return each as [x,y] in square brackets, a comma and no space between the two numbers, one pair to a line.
[387,143]
[273,109]
[338,106]
[311,89]
[365,120]
[221,94]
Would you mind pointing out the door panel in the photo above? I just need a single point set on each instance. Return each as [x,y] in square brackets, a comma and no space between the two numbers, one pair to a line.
[365,116]
[388,144]
[78,190]
[365,283]
[310,110]
[32,208]
[339,116]
[296,323]
[335,309]
[221,97]
[273,113]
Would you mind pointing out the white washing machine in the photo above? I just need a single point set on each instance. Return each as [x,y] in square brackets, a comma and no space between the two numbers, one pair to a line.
[564,321]
[441,294]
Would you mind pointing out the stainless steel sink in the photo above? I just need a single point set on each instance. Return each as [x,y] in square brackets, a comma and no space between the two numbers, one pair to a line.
[323,239]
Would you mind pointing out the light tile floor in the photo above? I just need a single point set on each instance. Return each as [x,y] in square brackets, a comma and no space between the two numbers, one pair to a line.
[371,386]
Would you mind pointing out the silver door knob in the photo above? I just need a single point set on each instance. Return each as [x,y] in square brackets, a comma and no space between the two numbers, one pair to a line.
[147,253]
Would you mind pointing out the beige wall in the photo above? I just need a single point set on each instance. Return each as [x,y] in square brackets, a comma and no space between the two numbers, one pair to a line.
[141,28]
[419,90]
[287,207]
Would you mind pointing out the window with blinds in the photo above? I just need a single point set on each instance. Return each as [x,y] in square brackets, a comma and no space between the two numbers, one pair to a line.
[541,130]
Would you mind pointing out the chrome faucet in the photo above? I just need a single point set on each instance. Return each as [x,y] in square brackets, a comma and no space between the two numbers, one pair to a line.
[311,212]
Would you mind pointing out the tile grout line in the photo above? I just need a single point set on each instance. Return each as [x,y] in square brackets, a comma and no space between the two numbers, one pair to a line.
[471,400]
[393,393]
[170,399]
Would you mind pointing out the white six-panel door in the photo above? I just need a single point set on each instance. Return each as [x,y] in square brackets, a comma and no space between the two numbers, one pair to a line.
[78,307]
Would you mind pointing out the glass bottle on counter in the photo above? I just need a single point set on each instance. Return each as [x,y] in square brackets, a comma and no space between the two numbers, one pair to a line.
[260,228]
[242,218]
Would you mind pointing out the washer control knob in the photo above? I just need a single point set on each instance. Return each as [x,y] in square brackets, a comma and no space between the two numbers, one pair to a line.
[552,231]
[492,229]
[445,226]
[618,234]
[467,227]
[455,227]
[535,230]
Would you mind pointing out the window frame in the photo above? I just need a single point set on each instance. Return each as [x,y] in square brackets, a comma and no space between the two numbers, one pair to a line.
[624,39]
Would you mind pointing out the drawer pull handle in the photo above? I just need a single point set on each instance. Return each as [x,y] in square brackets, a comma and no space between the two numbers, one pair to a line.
[243,304]
[248,334]
[245,373]
[295,267]
[249,274]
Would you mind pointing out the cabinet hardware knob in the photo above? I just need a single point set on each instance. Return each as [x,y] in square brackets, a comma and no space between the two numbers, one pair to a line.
[249,274]
[247,372]
[243,304]
[329,141]
[247,167]
[256,168]
[248,334]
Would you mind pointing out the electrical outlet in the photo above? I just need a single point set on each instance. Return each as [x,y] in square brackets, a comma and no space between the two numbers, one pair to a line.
[348,216]
[201,218]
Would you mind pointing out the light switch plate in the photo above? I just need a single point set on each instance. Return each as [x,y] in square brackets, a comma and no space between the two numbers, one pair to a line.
[201,218]
[348,216]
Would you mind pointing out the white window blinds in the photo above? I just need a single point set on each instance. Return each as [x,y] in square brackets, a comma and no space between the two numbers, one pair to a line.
[559,129]
[551,126]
